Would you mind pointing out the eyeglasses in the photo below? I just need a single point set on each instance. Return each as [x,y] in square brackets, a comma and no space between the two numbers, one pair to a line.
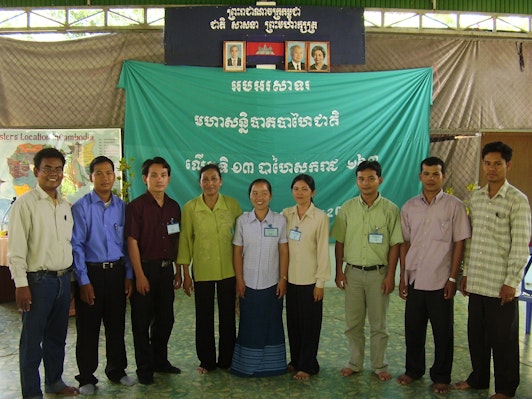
[47,170]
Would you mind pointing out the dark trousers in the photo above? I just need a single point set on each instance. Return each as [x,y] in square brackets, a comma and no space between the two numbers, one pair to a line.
[422,307]
[152,319]
[303,322]
[109,306]
[204,292]
[492,328]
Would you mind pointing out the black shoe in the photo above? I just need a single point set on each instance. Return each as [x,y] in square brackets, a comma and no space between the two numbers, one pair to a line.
[169,370]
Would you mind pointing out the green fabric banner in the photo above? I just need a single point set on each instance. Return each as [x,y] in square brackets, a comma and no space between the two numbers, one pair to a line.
[275,125]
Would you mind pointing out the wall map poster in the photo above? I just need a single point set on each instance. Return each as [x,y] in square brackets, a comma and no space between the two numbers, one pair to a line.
[80,147]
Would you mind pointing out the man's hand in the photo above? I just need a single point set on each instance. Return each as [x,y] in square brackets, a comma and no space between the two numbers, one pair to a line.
[23,298]
[449,290]
[507,294]
[403,289]
[318,294]
[388,285]
[340,280]
[86,293]
[143,285]
[128,287]
[463,286]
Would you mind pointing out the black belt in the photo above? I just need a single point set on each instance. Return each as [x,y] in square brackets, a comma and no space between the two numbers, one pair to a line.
[106,265]
[162,263]
[366,268]
[55,273]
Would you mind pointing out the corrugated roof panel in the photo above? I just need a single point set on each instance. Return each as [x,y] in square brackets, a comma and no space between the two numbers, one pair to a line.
[523,7]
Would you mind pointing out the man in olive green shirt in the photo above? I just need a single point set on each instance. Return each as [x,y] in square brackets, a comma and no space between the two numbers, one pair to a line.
[368,235]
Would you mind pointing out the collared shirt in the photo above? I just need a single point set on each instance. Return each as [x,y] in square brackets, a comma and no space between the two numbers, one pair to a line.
[147,222]
[39,235]
[206,238]
[498,250]
[260,242]
[355,223]
[309,256]
[98,234]
[432,229]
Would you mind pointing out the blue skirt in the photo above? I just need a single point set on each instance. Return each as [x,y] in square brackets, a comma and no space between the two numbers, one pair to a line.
[260,349]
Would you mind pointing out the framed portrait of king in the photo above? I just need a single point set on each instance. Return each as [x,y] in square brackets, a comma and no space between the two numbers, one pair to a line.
[295,56]
[234,56]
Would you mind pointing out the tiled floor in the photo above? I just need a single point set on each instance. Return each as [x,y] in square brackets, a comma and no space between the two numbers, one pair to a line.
[219,384]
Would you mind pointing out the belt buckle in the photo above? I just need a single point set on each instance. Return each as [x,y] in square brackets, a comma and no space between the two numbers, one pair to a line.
[62,272]
[166,263]
[107,265]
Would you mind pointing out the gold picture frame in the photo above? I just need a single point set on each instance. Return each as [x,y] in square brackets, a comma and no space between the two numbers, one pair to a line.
[234,53]
[295,54]
[319,57]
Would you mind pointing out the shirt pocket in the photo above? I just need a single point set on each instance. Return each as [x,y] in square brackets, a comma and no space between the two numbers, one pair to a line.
[501,226]
[226,225]
[67,227]
[443,230]
[119,234]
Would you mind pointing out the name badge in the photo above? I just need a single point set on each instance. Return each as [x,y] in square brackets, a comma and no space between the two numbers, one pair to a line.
[295,234]
[173,228]
[376,237]
[271,232]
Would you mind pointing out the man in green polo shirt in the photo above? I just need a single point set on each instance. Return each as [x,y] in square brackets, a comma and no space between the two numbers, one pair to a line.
[368,235]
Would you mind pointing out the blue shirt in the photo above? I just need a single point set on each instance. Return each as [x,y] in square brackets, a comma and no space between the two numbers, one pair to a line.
[98,234]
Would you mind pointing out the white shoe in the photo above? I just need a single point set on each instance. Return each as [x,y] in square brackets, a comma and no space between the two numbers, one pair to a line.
[127,381]
[87,389]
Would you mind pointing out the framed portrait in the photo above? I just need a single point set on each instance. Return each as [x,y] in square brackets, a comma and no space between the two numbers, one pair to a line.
[319,57]
[234,56]
[295,56]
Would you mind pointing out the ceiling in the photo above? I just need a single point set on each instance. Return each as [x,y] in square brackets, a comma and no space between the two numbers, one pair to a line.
[521,7]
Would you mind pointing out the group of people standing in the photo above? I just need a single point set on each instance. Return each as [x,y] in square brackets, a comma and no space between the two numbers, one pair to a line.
[149,248]
[277,255]
[496,239]
[247,253]
[429,235]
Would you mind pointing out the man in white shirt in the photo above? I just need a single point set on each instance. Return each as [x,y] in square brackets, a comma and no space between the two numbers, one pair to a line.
[40,257]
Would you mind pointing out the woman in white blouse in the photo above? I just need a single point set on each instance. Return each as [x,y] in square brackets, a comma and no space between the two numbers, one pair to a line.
[308,270]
